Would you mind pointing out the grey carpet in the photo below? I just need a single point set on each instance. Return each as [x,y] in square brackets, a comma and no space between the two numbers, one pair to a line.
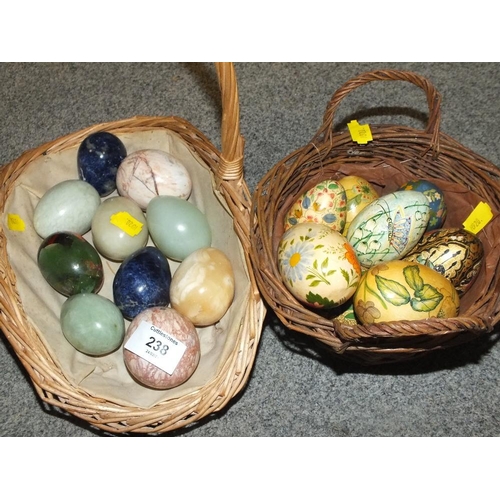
[294,390]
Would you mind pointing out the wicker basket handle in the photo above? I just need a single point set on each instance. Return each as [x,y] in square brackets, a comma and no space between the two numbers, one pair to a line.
[232,143]
[433,97]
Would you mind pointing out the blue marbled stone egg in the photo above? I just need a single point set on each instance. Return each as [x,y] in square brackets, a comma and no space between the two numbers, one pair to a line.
[98,159]
[142,281]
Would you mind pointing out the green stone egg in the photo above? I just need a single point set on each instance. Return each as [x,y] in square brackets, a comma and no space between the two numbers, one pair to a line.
[92,324]
[177,227]
[70,264]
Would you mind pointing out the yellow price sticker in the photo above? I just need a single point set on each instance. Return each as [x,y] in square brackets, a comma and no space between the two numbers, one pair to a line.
[360,133]
[478,218]
[15,223]
[126,223]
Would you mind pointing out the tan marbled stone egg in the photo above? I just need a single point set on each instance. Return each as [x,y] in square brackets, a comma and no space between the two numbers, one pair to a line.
[148,173]
[202,287]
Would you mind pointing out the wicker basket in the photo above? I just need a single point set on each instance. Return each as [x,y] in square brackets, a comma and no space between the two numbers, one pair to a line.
[51,382]
[426,154]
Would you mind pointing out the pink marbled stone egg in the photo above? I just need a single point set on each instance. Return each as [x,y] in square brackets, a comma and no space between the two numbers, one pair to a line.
[148,173]
[177,327]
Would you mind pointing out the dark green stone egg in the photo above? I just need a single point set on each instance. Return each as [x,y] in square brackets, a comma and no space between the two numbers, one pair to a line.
[70,264]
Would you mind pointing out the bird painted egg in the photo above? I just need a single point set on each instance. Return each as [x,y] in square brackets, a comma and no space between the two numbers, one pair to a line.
[389,227]
[359,193]
[325,203]
[318,266]
[454,252]
[435,197]
[400,290]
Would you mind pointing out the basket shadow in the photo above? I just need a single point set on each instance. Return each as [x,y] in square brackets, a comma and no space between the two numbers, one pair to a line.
[445,359]
[408,114]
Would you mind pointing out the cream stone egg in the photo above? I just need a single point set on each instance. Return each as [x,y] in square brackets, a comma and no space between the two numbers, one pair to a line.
[203,286]
[318,265]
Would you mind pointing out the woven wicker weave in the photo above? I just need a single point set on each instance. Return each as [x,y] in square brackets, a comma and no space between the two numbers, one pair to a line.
[425,153]
[50,382]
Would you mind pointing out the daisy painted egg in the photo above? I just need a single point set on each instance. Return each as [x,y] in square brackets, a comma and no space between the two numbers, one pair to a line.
[389,227]
[435,197]
[325,203]
[401,290]
[359,193]
[317,265]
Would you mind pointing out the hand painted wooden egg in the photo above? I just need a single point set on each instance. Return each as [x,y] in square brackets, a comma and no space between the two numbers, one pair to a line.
[389,227]
[455,253]
[318,266]
[401,290]
[359,193]
[325,203]
[435,197]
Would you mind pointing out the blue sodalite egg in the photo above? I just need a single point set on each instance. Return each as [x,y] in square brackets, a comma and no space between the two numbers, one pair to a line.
[142,281]
[98,159]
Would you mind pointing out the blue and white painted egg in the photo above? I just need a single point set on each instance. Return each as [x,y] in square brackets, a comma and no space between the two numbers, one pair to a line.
[435,197]
[389,227]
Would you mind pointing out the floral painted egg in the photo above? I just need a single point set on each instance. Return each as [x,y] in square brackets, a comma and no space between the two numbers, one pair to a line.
[359,193]
[401,290]
[435,196]
[317,265]
[455,253]
[389,227]
[325,203]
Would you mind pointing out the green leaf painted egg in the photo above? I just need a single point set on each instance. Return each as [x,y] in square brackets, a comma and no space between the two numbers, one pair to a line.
[401,290]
